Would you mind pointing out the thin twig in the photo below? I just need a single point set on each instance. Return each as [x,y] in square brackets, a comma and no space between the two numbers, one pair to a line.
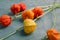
[54,18]
[54,15]
[18,15]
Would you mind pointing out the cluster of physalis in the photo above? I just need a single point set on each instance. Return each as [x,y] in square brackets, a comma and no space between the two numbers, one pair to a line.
[29,17]
[5,19]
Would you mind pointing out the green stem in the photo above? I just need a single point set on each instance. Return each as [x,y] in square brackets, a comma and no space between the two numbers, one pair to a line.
[50,9]
[8,35]
[18,15]
[54,15]
[46,9]
[54,18]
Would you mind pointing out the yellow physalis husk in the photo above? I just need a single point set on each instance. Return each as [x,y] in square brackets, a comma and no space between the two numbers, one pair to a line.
[29,26]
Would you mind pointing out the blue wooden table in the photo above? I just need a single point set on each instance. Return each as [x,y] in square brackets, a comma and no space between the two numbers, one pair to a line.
[42,24]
